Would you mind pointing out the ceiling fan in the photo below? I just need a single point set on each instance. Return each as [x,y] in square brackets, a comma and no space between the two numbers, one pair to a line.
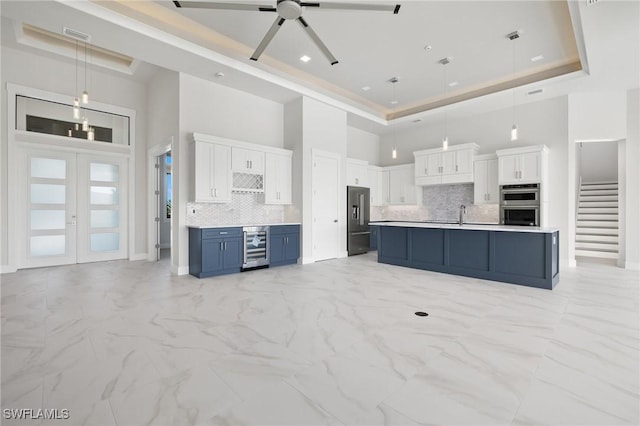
[289,10]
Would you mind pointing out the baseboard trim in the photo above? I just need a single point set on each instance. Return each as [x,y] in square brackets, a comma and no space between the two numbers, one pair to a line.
[634,266]
[138,256]
[343,254]
[6,269]
[307,260]
[180,270]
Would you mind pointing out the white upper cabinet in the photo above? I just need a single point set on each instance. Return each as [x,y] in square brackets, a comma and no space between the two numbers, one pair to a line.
[223,166]
[212,173]
[402,188]
[522,165]
[437,166]
[485,185]
[383,188]
[277,178]
[373,173]
[247,161]
[357,173]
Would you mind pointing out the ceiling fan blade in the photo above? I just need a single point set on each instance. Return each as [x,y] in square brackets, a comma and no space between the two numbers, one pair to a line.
[267,38]
[227,6]
[332,59]
[395,8]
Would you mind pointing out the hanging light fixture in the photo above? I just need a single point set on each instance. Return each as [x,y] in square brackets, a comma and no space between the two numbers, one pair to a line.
[445,139]
[514,128]
[394,151]
[85,93]
[91,135]
[85,124]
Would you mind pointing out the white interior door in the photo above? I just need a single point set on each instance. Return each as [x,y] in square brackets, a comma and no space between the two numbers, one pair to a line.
[75,209]
[49,220]
[102,214]
[325,202]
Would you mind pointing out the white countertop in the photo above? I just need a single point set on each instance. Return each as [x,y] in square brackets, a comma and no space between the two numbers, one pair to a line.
[468,226]
[241,225]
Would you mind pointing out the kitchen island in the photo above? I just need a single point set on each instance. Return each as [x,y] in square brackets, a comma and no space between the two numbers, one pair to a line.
[513,254]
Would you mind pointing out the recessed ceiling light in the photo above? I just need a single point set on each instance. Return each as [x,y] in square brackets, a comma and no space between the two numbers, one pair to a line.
[366,88]
[537,58]
[394,102]
[427,47]
[219,74]
[453,84]
[305,58]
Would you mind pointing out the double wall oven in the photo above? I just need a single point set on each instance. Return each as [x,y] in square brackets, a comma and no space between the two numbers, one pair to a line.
[520,204]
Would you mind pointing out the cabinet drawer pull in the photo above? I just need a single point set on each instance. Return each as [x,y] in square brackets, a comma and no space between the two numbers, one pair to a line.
[223,233]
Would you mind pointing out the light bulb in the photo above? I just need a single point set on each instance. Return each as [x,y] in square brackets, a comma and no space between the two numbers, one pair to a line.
[91,134]
[394,153]
[76,102]
[70,133]
[514,132]
[76,112]
[445,143]
[85,124]
[85,97]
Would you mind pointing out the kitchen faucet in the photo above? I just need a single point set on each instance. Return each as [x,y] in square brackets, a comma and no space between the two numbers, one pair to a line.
[463,211]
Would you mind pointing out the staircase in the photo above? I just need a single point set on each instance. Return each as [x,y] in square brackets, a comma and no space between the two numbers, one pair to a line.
[597,221]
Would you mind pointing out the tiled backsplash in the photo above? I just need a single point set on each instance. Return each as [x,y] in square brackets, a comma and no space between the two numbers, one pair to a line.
[244,209]
[441,202]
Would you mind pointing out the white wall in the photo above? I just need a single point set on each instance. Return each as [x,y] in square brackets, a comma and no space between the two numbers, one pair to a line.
[56,75]
[598,161]
[310,124]
[543,122]
[164,128]
[598,115]
[632,191]
[363,145]
[229,113]
[206,107]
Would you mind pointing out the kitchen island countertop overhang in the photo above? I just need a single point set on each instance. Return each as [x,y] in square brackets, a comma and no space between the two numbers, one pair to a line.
[514,254]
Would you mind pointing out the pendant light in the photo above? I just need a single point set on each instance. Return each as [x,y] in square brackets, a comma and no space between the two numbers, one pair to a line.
[85,124]
[394,151]
[514,128]
[85,93]
[445,139]
[91,135]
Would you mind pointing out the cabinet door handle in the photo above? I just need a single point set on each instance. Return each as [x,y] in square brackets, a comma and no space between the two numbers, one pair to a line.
[456,167]
[251,164]
[425,171]
[221,249]
[286,240]
[357,180]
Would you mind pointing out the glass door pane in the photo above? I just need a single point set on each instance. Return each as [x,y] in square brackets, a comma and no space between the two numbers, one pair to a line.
[102,229]
[49,224]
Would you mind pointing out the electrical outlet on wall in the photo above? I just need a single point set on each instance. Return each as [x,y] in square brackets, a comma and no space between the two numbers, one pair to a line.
[192,211]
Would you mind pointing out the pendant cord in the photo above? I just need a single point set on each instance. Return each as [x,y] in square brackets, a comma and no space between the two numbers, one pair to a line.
[76,91]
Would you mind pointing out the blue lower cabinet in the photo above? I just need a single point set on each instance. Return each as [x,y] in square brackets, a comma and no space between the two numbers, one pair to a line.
[215,251]
[284,245]
[526,258]
[373,240]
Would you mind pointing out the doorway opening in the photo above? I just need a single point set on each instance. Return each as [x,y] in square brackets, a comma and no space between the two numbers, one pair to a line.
[599,234]
[163,205]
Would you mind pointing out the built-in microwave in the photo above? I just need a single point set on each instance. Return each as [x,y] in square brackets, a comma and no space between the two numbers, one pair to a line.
[525,194]
[520,215]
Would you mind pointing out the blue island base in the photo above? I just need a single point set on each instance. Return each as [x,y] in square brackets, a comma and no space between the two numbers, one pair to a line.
[525,258]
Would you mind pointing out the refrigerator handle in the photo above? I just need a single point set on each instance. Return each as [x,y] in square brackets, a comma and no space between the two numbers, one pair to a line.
[361,204]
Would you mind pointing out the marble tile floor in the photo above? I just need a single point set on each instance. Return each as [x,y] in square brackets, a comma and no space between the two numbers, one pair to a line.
[332,343]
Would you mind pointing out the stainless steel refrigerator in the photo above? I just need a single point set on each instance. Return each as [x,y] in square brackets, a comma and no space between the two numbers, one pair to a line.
[357,220]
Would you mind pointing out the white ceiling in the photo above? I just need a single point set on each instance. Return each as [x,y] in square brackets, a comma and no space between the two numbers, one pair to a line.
[371,47]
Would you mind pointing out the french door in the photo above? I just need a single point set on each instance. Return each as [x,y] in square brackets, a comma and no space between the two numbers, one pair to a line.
[74,209]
